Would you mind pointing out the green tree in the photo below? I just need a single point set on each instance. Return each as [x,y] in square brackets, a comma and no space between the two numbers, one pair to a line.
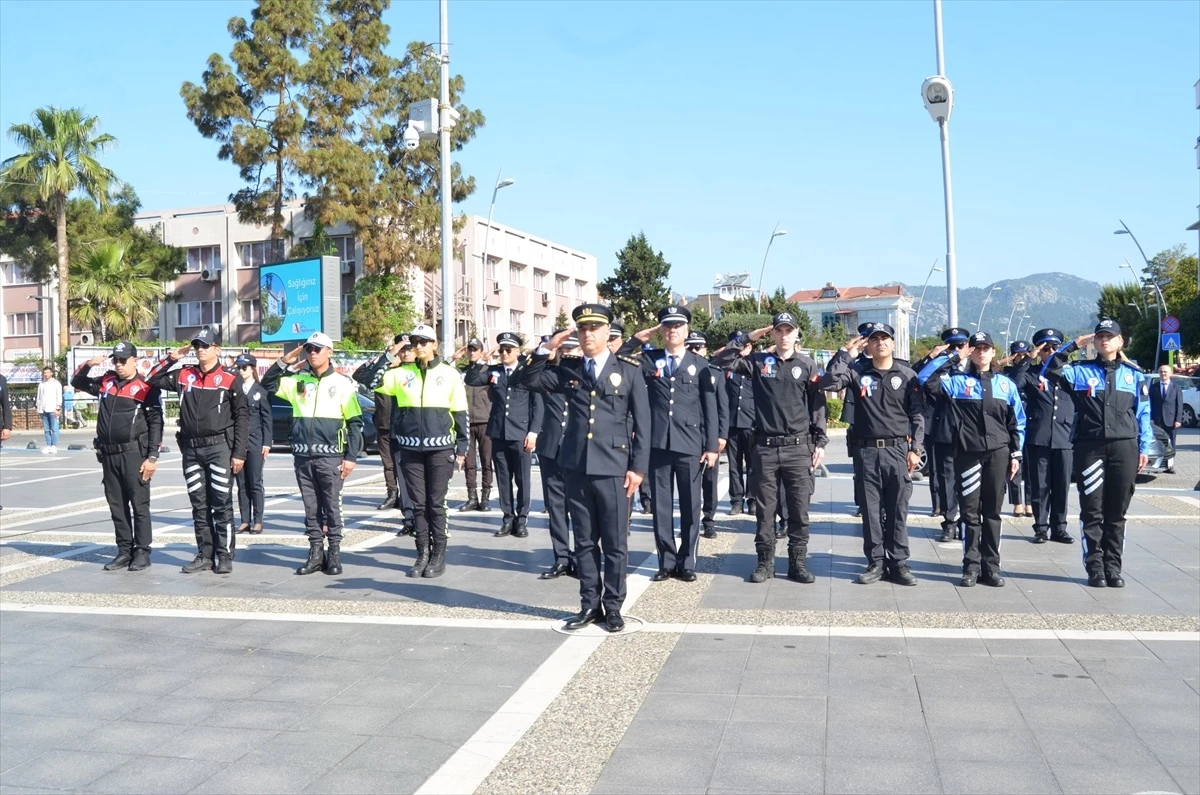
[561,321]
[719,330]
[113,293]
[383,307]
[61,147]
[701,320]
[637,290]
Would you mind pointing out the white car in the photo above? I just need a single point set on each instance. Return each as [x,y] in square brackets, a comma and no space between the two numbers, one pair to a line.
[1191,399]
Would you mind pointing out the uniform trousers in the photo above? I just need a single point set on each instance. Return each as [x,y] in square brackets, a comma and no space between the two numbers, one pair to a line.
[1048,472]
[383,438]
[128,498]
[554,495]
[786,469]
[598,508]
[402,496]
[887,487]
[738,450]
[1105,476]
[478,442]
[708,493]
[427,475]
[209,481]
[980,478]
[941,469]
[671,472]
[320,481]
[250,487]
[1019,489]
[512,465]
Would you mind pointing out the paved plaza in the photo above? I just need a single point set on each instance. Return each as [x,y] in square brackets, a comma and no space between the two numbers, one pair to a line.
[266,682]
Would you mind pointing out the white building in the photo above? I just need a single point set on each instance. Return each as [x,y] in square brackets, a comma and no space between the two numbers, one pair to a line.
[852,306]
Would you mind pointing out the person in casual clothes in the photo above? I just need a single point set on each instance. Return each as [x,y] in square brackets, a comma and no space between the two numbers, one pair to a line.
[250,480]
[49,407]
[479,403]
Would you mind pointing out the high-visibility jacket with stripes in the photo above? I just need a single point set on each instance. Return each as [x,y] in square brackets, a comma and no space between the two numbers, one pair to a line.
[430,408]
[326,417]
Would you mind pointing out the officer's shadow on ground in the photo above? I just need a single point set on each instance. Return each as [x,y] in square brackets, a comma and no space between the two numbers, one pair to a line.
[422,591]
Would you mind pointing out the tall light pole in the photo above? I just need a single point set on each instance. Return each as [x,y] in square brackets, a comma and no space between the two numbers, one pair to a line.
[921,303]
[1133,275]
[444,122]
[938,96]
[483,261]
[1018,306]
[1150,280]
[776,232]
[1020,322]
[979,323]
[1161,303]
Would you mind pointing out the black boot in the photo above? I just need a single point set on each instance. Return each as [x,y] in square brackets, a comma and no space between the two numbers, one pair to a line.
[418,568]
[485,501]
[797,568]
[472,503]
[121,561]
[199,563]
[141,560]
[333,559]
[389,501]
[437,559]
[224,564]
[766,566]
[316,558]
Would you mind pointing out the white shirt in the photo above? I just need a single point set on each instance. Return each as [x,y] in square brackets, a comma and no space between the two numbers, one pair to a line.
[49,396]
[600,360]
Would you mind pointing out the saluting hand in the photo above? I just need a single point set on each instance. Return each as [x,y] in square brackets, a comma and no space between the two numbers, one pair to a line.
[557,340]
[95,361]
[179,352]
[293,356]
[1084,340]
[759,333]
[645,334]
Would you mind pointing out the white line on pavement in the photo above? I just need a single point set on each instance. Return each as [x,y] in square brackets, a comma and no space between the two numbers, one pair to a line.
[52,477]
[70,553]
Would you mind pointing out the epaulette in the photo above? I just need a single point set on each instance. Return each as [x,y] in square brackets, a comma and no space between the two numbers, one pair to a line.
[629,359]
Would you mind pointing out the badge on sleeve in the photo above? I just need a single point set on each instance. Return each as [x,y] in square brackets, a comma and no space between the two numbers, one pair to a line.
[1128,378]
[1004,387]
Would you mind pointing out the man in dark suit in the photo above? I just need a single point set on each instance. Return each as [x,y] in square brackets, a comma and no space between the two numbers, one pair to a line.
[605,451]
[1166,402]
[250,479]
[554,477]
[512,427]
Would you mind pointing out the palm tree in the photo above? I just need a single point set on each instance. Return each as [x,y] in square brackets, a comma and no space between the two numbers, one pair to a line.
[61,147]
[111,295]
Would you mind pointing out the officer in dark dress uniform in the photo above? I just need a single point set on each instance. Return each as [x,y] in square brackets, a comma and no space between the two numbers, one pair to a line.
[1018,487]
[250,480]
[789,440]
[683,437]
[554,477]
[697,344]
[616,335]
[129,429]
[1049,425]
[888,428]
[512,427]
[605,451]
[1113,439]
[739,395]
[940,454]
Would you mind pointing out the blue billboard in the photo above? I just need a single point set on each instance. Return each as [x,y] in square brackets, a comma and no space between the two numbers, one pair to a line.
[290,299]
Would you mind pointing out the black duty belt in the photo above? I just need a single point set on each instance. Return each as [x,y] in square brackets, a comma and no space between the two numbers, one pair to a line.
[202,441]
[782,441]
[113,449]
[895,441]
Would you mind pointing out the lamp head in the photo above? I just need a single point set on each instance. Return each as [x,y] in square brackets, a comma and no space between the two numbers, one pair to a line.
[779,233]
[938,96]
[504,183]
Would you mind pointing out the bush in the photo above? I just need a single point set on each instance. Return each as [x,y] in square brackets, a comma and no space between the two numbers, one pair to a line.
[833,408]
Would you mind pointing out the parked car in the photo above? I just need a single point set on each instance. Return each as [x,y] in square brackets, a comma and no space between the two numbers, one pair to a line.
[281,420]
[1191,398]
[1162,456]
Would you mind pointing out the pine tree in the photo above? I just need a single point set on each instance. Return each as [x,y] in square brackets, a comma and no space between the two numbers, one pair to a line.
[637,290]
[561,321]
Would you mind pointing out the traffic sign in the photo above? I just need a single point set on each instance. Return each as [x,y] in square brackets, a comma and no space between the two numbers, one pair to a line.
[1170,324]
[1170,342]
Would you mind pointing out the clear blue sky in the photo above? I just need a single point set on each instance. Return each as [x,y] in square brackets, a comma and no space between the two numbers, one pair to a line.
[704,124]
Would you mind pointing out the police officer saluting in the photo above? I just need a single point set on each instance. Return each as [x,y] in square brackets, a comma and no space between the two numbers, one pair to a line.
[697,344]
[554,477]
[888,428]
[1018,487]
[513,428]
[214,430]
[129,428]
[1112,443]
[683,437]
[605,451]
[789,440]
[941,434]
[739,395]
[250,479]
[1049,426]
[991,432]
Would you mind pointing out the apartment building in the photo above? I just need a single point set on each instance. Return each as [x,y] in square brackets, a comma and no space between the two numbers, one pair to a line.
[525,281]
[851,306]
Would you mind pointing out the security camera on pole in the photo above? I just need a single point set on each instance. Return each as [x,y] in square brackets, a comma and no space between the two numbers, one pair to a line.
[938,96]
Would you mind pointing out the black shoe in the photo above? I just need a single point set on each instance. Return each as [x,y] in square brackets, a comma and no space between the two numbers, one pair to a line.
[333,561]
[766,566]
[389,501]
[934,512]
[121,561]
[554,572]
[661,575]
[316,558]
[1040,537]
[583,618]
[991,579]
[1097,579]
[141,560]
[947,535]
[685,575]
[645,506]
[613,621]
[437,560]
[901,575]
[256,529]
[199,563]
[521,530]
[709,530]
[969,579]
[1062,538]
[735,510]
[780,530]
[506,528]
[858,513]
[873,574]
[245,528]
[1113,579]
[224,564]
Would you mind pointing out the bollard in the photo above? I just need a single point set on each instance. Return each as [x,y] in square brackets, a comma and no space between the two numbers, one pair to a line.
[31,446]
[77,446]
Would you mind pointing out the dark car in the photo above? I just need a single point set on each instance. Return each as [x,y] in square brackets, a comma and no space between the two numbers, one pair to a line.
[281,420]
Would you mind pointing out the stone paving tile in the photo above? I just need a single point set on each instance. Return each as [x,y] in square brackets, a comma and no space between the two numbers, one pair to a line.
[121,736]
[62,769]
[845,775]
[215,744]
[48,731]
[769,772]
[672,735]
[333,717]
[1188,778]
[365,782]
[983,744]
[13,753]
[630,768]
[252,779]
[312,749]
[414,755]
[153,775]
[1027,777]
[1112,777]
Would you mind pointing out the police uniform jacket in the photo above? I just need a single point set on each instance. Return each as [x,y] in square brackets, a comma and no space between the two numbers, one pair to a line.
[683,405]
[722,401]
[515,410]
[939,418]
[787,399]
[430,411]
[887,403]
[382,419]
[1111,398]
[128,411]
[987,407]
[259,402]
[608,419]
[1049,410]
[211,403]
[326,417]
[739,391]
[553,424]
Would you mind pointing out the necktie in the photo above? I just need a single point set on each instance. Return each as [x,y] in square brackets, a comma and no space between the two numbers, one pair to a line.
[671,365]
[507,372]
[591,369]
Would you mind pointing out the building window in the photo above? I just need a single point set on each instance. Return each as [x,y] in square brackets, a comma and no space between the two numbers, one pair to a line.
[251,311]
[16,273]
[560,285]
[515,319]
[259,253]
[25,324]
[489,317]
[341,246]
[202,257]
[197,313]
[539,325]
[516,274]
[539,280]
[490,269]
[579,286]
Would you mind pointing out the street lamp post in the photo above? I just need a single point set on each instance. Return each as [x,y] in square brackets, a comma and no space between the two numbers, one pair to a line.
[1133,275]
[979,323]
[776,232]
[1018,306]
[1019,324]
[921,302]
[938,96]
[444,123]
[483,261]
